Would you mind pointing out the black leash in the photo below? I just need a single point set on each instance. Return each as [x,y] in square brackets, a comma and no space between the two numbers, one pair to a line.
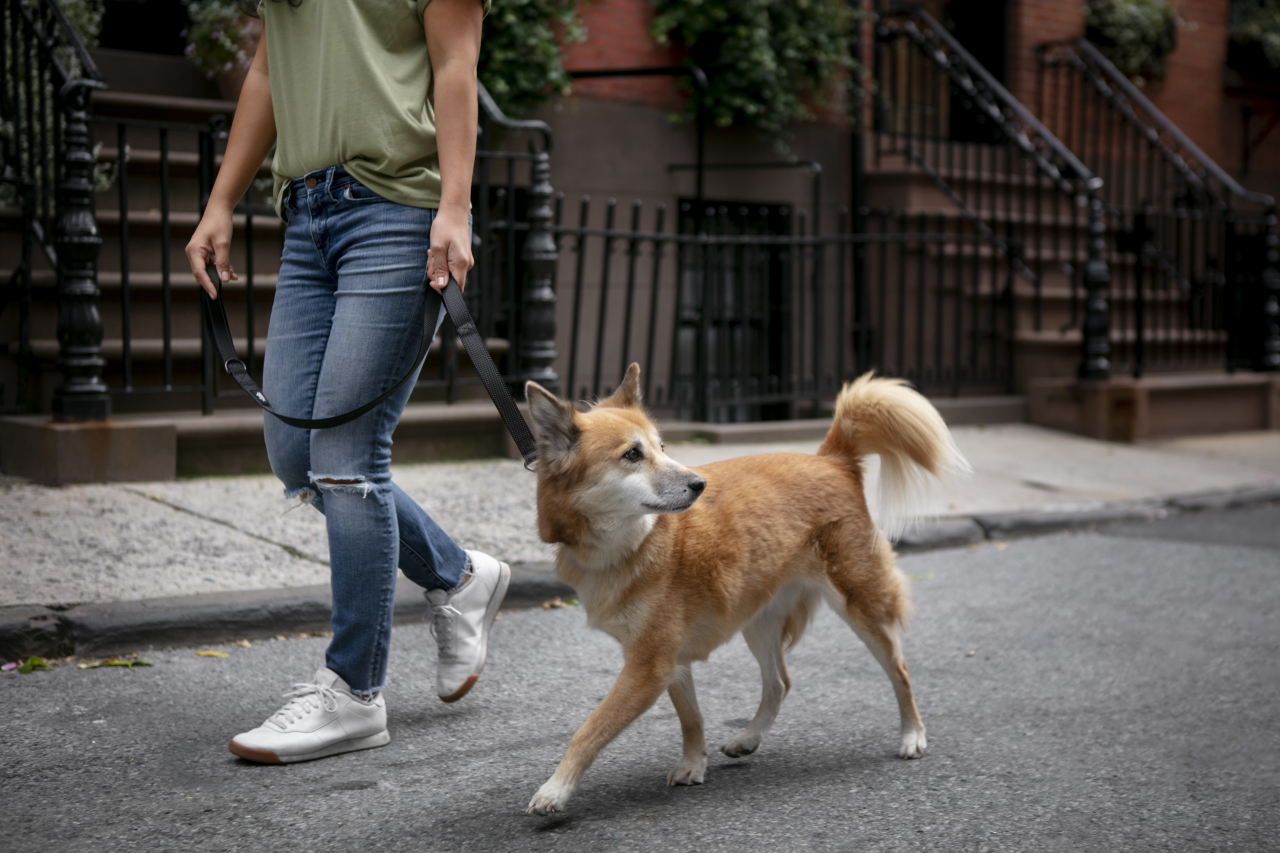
[454,305]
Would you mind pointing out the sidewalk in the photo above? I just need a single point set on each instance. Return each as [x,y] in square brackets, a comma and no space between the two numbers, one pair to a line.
[107,568]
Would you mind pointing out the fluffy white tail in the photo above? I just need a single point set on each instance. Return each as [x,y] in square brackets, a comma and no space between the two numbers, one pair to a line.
[889,418]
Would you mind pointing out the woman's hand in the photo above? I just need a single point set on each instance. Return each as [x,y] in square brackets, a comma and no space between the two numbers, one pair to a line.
[450,252]
[212,244]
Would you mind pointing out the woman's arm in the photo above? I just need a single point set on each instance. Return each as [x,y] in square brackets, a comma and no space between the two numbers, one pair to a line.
[453,40]
[253,132]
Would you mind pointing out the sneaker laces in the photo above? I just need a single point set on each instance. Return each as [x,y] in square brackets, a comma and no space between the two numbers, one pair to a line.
[441,626]
[301,703]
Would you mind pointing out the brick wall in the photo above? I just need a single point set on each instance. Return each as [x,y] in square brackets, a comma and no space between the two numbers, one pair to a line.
[1191,93]
[618,37]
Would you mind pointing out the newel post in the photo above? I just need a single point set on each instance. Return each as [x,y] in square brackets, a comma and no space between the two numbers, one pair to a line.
[537,341]
[82,396]
[1095,331]
[1270,318]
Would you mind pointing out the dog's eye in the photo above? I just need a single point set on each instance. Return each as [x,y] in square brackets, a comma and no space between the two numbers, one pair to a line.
[662,445]
[633,455]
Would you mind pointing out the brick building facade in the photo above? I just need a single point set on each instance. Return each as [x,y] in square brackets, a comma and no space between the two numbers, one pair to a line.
[1199,94]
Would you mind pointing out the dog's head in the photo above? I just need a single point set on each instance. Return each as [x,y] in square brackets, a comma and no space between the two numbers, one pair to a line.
[604,464]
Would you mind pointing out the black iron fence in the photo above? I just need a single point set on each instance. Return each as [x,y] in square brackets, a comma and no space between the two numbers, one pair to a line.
[757,316]
[1194,256]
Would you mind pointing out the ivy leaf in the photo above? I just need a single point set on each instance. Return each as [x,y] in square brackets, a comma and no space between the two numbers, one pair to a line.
[210,653]
[32,665]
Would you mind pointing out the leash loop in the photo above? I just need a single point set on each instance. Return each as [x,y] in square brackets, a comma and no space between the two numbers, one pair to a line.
[220,333]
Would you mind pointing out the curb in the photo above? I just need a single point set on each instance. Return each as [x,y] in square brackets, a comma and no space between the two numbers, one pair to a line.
[1053,519]
[120,627]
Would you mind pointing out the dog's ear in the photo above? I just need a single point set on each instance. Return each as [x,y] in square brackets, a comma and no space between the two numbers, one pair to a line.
[628,394]
[553,424]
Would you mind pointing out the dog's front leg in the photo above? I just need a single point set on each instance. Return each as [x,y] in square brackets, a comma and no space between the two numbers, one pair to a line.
[637,688]
[692,768]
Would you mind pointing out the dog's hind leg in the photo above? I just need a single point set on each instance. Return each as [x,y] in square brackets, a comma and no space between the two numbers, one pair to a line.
[692,768]
[871,595]
[765,635]
[885,643]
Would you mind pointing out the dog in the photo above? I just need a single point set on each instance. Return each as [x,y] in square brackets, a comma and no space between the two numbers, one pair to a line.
[673,561]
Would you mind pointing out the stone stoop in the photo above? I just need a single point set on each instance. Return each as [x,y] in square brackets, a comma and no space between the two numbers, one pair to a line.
[1127,409]
[186,444]
[170,445]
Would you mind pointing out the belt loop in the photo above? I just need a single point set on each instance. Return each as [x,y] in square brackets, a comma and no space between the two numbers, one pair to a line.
[328,182]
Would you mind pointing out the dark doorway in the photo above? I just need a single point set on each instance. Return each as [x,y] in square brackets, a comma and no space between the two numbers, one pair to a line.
[146,26]
[981,27]
[733,323]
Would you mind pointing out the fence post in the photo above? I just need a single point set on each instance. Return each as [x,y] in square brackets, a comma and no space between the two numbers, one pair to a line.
[1271,297]
[82,396]
[1096,328]
[537,353]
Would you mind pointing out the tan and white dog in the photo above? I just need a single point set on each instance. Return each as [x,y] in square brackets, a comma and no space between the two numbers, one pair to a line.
[673,561]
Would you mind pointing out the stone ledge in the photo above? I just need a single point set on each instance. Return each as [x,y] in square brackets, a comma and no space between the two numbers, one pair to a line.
[58,454]
[1126,409]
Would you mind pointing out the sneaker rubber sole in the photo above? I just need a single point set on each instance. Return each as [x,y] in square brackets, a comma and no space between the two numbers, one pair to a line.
[261,756]
[495,603]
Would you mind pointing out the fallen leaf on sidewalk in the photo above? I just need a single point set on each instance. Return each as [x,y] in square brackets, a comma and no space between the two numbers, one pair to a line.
[556,603]
[32,665]
[243,644]
[126,664]
[210,653]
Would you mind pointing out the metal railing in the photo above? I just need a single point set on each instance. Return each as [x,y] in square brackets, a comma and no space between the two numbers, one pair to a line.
[1194,255]
[162,173]
[1034,204]
[741,322]
[46,81]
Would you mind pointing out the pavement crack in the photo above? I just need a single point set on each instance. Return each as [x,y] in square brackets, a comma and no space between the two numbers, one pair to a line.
[287,548]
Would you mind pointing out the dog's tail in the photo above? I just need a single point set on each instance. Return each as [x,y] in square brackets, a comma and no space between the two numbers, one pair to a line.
[889,418]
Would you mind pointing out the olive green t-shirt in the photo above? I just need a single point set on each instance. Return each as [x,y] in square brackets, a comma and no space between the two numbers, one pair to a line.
[351,85]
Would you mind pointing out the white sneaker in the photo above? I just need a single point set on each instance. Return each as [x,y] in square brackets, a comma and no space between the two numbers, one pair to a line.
[320,719]
[460,620]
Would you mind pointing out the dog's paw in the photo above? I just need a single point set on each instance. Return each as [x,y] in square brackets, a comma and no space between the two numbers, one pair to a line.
[741,746]
[913,744]
[688,772]
[551,797]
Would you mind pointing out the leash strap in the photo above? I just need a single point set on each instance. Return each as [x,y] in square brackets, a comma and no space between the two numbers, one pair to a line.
[454,305]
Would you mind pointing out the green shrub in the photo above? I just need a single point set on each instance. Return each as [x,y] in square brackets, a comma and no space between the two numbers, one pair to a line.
[765,60]
[1257,22]
[1135,35]
[520,51]
[221,37]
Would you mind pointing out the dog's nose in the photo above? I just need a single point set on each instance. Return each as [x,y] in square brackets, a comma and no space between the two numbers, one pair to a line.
[697,484]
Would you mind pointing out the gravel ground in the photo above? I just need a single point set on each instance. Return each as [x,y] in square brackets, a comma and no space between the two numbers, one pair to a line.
[128,541]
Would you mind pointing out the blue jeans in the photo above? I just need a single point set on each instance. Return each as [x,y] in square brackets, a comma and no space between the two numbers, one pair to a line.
[345,325]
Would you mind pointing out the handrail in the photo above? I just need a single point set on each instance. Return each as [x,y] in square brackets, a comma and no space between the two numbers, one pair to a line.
[1087,180]
[1103,65]
[495,114]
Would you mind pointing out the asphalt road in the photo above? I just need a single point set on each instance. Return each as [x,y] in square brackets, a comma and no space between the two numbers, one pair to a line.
[1117,690]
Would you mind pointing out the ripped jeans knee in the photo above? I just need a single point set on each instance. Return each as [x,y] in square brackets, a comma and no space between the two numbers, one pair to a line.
[357,484]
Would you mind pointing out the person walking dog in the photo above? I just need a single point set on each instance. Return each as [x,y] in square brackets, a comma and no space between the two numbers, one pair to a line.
[372,109]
